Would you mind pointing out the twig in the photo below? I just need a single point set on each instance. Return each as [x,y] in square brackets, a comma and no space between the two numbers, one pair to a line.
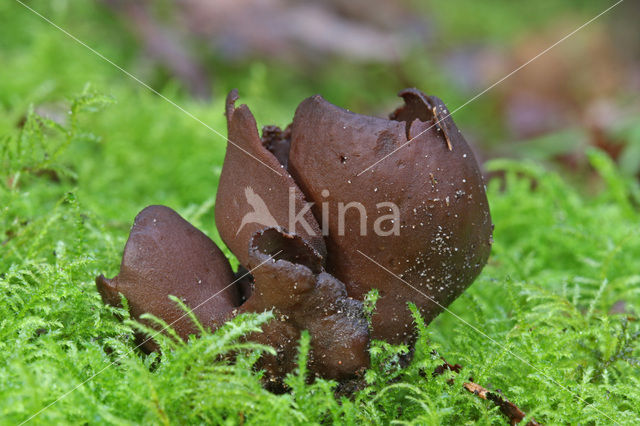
[509,409]
[436,117]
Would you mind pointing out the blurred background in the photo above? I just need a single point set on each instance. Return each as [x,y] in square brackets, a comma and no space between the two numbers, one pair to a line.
[357,53]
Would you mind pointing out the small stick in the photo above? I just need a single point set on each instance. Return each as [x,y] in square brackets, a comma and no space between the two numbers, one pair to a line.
[434,110]
[509,409]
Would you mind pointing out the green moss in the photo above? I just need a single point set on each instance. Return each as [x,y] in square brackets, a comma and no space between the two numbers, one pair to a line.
[560,261]
[70,188]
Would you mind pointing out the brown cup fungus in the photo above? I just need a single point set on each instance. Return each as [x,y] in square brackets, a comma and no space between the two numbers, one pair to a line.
[401,196]
[441,236]
[165,255]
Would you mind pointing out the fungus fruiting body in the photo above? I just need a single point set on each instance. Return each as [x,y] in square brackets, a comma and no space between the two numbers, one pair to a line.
[290,206]
[431,177]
